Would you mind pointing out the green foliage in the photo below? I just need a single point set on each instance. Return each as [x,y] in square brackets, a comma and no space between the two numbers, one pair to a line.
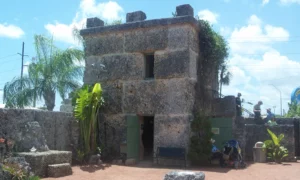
[275,151]
[294,110]
[17,173]
[88,102]
[55,71]
[200,144]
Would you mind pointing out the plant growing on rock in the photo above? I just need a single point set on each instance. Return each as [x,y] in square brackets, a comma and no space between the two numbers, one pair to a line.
[88,102]
[275,150]
[200,142]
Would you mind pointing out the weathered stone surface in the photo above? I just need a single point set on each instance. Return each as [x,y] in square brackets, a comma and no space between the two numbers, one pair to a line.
[4,175]
[130,162]
[39,161]
[184,175]
[113,131]
[135,16]
[146,40]
[172,130]
[175,64]
[224,107]
[184,10]
[112,94]
[66,106]
[56,126]
[106,44]
[255,133]
[118,67]
[31,135]
[59,170]
[141,25]
[94,22]
[94,159]
[159,96]
[183,36]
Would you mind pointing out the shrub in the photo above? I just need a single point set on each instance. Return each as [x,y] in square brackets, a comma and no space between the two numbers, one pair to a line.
[275,150]
[200,144]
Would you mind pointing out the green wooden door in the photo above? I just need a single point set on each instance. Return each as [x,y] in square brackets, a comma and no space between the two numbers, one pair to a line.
[133,137]
[222,128]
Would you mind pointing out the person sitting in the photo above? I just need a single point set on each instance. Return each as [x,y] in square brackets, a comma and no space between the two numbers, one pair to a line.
[257,113]
[270,115]
[272,122]
[217,154]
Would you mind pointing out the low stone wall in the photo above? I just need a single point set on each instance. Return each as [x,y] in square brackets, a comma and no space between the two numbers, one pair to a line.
[248,133]
[60,129]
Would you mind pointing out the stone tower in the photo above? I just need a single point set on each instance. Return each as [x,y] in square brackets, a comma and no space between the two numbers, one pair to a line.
[150,69]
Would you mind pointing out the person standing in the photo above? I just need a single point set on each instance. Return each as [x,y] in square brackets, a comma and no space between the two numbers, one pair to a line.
[238,104]
[257,113]
[270,115]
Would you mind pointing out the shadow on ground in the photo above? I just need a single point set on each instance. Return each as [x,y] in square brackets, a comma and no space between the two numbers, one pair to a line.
[94,168]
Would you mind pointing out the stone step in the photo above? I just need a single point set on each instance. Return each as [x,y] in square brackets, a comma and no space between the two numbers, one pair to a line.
[59,170]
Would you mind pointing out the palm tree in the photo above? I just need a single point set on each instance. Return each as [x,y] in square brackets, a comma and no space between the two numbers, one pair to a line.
[225,76]
[55,71]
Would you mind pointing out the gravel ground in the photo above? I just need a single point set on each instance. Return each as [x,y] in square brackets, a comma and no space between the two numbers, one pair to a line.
[288,171]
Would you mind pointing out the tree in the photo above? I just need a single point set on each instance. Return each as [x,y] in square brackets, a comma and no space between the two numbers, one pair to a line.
[224,77]
[294,110]
[54,71]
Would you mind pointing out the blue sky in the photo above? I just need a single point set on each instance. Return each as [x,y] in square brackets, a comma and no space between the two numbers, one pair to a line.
[263,36]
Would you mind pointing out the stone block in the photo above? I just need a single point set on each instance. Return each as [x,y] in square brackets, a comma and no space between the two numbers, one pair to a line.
[59,170]
[184,10]
[117,67]
[225,107]
[183,37]
[146,40]
[175,64]
[184,175]
[31,135]
[39,161]
[159,96]
[94,159]
[104,44]
[94,22]
[174,96]
[130,162]
[172,130]
[12,119]
[135,16]
[112,94]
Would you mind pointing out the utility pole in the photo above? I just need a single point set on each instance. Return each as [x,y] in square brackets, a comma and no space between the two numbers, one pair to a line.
[280,98]
[22,64]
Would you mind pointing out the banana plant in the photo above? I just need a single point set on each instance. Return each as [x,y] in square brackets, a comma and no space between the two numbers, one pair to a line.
[88,102]
[275,150]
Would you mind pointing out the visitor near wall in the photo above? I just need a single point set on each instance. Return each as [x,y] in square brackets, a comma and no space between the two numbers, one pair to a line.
[257,113]
[238,104]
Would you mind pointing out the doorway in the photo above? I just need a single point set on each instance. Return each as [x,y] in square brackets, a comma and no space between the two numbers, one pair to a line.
[147,137]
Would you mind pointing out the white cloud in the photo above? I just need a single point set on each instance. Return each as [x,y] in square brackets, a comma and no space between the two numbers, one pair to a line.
[256,37]
[107,11]
[10,31]
[289,1]
[254,74]
[208,16]
[264,2]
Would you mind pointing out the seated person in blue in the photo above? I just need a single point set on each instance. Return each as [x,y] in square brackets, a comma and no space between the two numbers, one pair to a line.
[216,154]
[270,116]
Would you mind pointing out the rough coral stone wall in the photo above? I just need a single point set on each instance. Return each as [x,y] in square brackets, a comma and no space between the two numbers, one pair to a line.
[170,96]
[60,129]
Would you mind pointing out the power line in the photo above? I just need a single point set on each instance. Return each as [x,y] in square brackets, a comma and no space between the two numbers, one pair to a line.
[8,56]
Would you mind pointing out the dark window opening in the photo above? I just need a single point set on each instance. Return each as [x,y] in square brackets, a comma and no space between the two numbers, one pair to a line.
[149,71]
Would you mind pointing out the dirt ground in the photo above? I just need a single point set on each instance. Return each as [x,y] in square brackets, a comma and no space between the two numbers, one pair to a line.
[287,171]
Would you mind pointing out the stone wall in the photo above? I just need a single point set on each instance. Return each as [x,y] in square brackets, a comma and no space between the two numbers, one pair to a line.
[248,133]
[60,129]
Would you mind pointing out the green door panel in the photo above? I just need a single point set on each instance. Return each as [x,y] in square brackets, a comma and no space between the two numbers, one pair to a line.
[133,137]
[223,128]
